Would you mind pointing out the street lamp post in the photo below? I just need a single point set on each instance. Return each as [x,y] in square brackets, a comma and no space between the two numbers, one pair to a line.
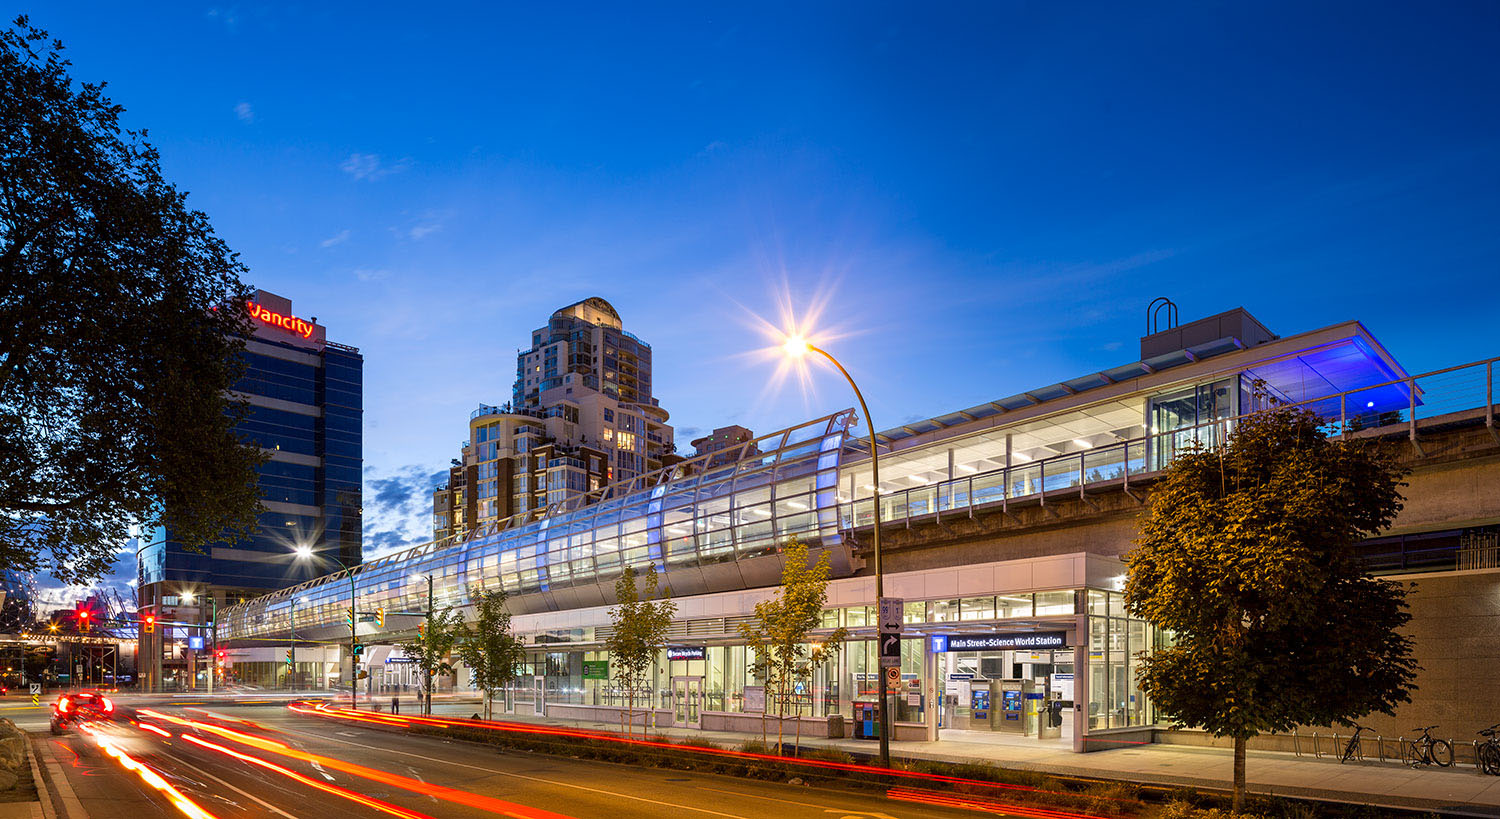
[306,552]
[797,346]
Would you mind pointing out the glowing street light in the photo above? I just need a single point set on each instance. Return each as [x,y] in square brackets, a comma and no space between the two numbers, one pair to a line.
[305,552]
[797,346]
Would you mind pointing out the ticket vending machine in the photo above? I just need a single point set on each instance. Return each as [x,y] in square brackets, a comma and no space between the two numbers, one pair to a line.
[1010,714]
[979,707]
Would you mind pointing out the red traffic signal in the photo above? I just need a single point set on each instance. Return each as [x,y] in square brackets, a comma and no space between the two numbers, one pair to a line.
[150,621]
[83,619]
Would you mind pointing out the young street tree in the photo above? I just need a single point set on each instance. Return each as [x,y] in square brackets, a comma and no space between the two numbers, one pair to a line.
[640,633]
[430,650]
[487,647]
[1247,555]
[779,636]
[124,318]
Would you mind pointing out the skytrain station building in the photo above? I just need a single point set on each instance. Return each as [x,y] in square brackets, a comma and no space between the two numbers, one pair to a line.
[1004,528]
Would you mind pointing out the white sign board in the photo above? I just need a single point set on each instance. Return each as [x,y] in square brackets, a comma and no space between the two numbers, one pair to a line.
[36,688]
[755,699]
[891,614]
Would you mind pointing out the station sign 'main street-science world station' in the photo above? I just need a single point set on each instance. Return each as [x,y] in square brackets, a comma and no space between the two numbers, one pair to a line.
[996,642]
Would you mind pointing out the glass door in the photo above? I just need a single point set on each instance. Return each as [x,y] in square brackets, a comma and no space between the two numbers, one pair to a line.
[539,692]
[687,701]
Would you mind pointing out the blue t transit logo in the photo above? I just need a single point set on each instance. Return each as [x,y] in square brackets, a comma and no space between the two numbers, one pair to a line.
[939,643]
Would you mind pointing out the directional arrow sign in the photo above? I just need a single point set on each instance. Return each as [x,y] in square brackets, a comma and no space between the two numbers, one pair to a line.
[890,650]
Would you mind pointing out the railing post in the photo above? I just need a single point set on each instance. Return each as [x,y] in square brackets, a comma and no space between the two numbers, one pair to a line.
[1489,398]
[1041,481]
[1343,413]
[1411,392]
[1080,475]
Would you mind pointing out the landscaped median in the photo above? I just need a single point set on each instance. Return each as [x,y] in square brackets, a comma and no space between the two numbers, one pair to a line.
[981,787]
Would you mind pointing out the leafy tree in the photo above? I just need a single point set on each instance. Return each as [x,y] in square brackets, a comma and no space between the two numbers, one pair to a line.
[1246,556]
[432,647]
[491,652]
[640,625]
[779,638]
[124,318]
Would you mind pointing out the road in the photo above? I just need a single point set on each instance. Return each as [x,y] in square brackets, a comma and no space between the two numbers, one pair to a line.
[240,761]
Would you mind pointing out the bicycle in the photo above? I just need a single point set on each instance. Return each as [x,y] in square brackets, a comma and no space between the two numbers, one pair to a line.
[1424,750]
[1352,750]
[1489,750]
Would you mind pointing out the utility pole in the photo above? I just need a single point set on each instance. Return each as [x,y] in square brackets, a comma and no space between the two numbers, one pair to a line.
[213,651]
[428,683]
[353,644]
[291,617]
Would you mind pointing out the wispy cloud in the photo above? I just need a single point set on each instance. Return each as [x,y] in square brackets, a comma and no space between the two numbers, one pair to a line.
[336,239]
[229,17]
[245,112]
[371,167]
[371,274]
[428,223]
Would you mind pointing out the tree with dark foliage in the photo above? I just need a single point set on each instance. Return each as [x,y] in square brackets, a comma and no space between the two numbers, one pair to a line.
[123,319]
[1247,556]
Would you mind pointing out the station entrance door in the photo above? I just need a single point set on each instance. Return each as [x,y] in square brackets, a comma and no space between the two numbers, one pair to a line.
[687,702]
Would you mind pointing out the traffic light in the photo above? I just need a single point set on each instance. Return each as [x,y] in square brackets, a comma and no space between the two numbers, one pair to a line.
[359,649]
[288,659]
[349,617]
[380,617]
[219,655]
[83,619]
[150,623]
[421,629]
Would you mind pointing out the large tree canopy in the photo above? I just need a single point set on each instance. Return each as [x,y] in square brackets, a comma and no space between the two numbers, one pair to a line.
[1247,556]
[123,318]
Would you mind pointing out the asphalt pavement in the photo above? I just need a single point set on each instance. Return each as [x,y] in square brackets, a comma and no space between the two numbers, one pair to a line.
[228,760]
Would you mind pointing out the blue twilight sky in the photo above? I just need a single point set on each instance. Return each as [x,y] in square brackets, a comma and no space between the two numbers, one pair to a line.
[989,193]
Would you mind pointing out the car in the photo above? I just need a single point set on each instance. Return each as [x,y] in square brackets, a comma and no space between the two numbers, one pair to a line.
[80,706]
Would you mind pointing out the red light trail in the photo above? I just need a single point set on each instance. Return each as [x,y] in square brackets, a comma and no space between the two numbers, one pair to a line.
[454,795]
[401,720]
[180,801]
[384,807]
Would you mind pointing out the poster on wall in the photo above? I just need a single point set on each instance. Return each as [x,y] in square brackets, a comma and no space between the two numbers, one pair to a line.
[755,699]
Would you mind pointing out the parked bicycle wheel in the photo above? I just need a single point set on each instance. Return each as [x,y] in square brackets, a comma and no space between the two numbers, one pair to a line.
[1441,752]
[1489,759]
[1350,749]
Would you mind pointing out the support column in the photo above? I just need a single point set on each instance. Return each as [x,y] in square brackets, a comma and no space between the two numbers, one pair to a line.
[1081,686]
[934,688]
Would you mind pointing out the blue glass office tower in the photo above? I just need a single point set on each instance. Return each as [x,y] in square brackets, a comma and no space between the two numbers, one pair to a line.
[305,396]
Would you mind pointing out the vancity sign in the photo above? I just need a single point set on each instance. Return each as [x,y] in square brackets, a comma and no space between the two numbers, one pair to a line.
[274,320]
[291,324]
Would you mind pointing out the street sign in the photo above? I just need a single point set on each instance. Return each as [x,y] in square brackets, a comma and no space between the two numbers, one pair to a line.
[889,617]
[36,693]
[892,677]
[891,614]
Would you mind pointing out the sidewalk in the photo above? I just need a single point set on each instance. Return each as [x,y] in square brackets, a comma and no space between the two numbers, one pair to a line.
[1454,790]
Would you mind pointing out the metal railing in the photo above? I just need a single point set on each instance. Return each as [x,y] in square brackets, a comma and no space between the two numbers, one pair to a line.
[1396,402]
[1479,550]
